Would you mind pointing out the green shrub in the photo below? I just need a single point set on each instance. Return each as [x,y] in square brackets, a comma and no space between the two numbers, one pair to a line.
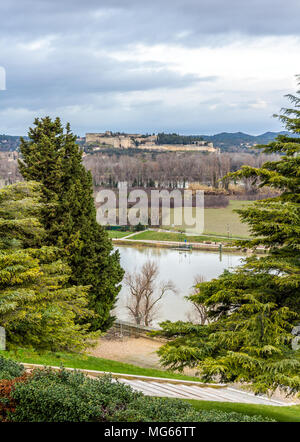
[153,409]
[10,369]
[64,396]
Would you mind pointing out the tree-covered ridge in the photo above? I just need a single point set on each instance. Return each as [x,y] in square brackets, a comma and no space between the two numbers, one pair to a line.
[9,142]
[174,138]
[255,307]
[52,158]
[226,141]
[38,306]
[240,140]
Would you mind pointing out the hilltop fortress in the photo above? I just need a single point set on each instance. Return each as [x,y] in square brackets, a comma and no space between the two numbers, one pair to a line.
[136,141]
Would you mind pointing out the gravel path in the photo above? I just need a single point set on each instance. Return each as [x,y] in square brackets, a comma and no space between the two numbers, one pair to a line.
[138,351]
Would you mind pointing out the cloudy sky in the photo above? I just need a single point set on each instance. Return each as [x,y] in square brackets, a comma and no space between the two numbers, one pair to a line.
[190,66]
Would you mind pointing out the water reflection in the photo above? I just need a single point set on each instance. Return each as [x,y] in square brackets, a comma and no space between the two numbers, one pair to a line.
[178,266]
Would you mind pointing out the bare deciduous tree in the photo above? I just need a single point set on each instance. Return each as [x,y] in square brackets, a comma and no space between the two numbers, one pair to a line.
[168,169]
[145,293]
[199,312]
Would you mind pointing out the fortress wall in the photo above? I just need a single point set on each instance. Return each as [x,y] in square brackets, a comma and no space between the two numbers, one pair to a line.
[182,147]
[92,138]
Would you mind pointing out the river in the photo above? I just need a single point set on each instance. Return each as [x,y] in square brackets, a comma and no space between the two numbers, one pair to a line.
[178,266]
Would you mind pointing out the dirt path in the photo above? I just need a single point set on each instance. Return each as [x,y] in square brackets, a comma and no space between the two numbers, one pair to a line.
[138,351]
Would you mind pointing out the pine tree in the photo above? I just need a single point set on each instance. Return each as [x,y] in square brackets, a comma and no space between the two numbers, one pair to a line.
[52,157]
[254,308]
[38,308]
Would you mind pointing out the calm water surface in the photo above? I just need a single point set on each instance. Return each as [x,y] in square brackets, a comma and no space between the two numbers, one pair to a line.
[177,266]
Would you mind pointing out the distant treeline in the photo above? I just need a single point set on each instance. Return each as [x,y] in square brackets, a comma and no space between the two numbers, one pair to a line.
[170,169]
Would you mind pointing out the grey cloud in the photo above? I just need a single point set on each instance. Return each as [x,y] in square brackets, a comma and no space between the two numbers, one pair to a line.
[162,116]
[78,76]
[116,23]
[72,71]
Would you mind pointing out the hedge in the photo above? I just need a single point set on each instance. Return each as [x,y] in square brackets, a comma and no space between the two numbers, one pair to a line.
[70,396]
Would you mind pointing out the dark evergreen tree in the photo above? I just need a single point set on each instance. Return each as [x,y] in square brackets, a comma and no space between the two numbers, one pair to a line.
[254,308]
[38,307]
[52,157]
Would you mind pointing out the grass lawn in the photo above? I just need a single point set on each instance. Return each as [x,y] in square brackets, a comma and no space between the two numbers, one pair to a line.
[280,414]
[117,233]
[217,222]
[221,220]
[178,237]
[88,362]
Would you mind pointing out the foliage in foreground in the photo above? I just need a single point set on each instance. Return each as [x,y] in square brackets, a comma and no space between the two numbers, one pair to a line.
[285,413]
[254,308]
[10,369]
[84,361]
[38,306]
[63,396]
[52,158]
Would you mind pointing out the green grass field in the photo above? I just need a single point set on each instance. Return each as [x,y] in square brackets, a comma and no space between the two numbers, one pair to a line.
[117,233]
[280,414]
[217,222]
[178,237]
[88,362]
[220,221]
[220,225]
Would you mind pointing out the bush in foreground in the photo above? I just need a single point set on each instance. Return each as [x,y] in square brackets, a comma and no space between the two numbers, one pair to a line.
[63,396]
[10,369]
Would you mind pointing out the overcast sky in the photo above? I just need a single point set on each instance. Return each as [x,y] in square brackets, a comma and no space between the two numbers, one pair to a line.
[190,66]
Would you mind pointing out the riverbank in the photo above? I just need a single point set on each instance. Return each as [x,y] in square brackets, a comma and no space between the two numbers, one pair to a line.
[176,265]
[180,245]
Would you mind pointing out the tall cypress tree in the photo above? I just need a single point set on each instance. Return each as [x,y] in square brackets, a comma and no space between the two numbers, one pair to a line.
[52,157]
[254,308]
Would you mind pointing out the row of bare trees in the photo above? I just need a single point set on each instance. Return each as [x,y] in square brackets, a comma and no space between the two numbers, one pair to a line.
[170,169]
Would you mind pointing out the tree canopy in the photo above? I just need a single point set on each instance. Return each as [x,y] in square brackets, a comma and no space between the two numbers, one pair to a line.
[38,307]
[254,307]
[51,157]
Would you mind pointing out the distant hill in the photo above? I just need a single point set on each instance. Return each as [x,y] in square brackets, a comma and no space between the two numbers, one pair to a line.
[240,140]
[227,141]
[9,142]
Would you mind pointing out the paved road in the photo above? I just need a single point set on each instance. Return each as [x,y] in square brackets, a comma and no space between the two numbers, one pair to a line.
[183,391]
[174,388]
